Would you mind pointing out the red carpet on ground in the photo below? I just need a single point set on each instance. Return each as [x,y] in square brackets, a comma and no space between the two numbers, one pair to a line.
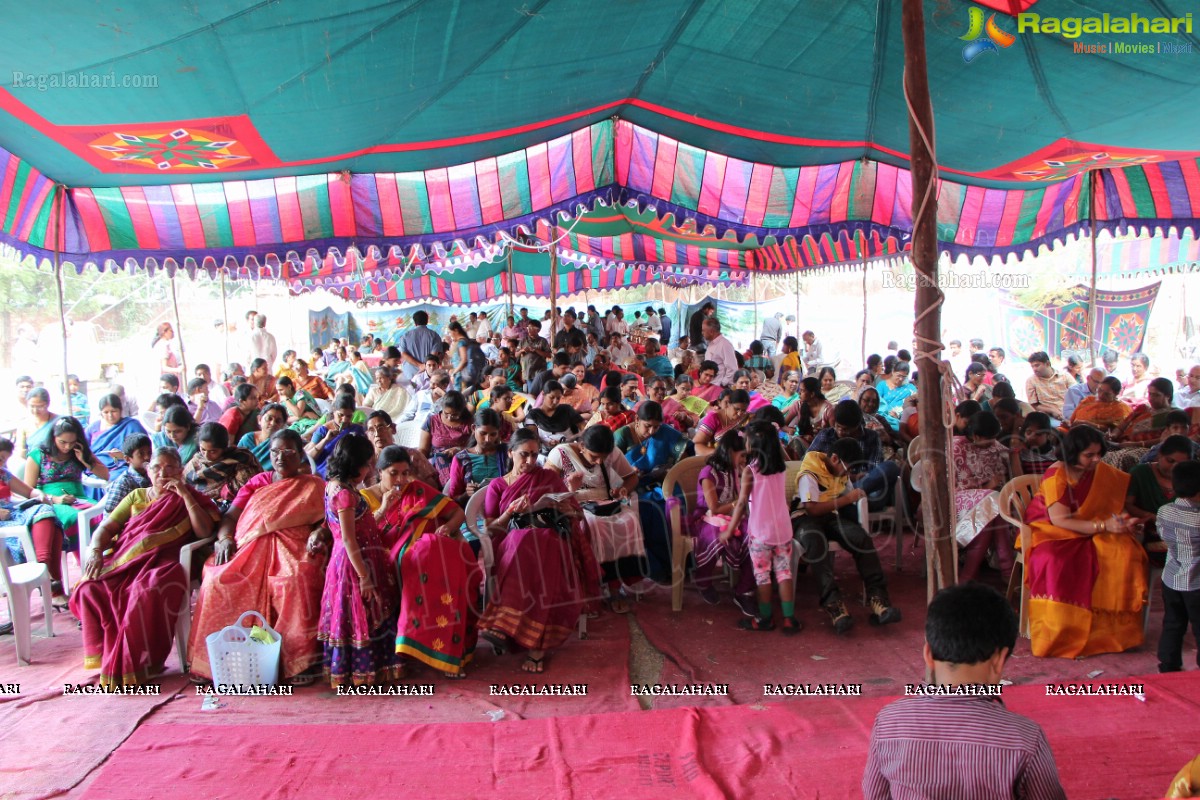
[1106,747]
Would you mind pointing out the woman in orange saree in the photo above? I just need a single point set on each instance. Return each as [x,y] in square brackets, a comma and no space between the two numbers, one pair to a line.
[1086,570]
[128,602]
[439,572]
[268,559]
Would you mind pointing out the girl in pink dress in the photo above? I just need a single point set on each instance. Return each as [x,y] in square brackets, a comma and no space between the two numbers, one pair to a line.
[768,525]
[359,603]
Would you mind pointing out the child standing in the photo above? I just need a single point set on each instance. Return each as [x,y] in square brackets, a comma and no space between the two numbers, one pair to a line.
[79,401]
[358,605]
[764,489]
[1179,527]
[137,450]
[719,482]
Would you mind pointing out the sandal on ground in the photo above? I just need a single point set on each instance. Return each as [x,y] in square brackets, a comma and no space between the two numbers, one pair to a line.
[617,603]
[305,678]
[60,602]
[497,640]
[757,624]
[455,676]
[535,665]
[198,680]
[791,626]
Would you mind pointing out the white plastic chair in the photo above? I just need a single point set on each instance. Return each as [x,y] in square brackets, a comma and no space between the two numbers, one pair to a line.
[26,539]
[477,525]
[183,625]
[408,434]
[18,581]
[89,522]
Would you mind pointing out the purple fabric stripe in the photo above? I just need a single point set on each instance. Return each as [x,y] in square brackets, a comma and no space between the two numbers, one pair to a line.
[161,203]
[464,195]
[827,176]
[902,211]
[1112,199]
[1061,194]
[1176,185]
[736,189]
[264,211]
[562,168]
[641,161]
[364,197]
[989,218]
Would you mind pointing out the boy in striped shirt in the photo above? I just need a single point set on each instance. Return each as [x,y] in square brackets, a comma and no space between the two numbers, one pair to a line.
[961,745]
[1179,526]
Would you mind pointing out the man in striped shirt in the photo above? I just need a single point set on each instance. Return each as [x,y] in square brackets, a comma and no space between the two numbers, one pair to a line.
[961,745]
[1179,526]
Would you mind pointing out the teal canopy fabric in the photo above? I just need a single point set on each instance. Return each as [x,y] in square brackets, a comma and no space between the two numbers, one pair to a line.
[279,139]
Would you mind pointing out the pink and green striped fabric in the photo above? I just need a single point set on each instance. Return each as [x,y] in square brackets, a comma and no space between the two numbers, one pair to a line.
[687,212]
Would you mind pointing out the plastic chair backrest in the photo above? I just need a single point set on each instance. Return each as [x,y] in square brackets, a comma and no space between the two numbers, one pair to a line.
[474,513]
[1015,497]
[914,451]
[6,563]
[793,479]
[685,475]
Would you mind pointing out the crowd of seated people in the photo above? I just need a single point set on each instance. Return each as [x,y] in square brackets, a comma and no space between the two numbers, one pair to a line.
[355,547]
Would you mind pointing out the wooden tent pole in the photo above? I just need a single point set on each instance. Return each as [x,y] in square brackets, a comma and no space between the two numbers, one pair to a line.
[863,348]
[179,334]
[1093,351]
[58,212]
[225,317]
[508,276]
[553,283]
[796,332]
[754,299]
[937,500]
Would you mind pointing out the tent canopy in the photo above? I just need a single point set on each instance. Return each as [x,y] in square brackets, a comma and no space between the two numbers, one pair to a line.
[257,134]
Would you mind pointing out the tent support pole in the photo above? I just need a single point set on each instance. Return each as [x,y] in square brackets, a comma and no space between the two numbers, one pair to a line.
[225,318]
[59,211]
[796,332]
[179,332]
[938,501]
[754,299]
[863,348]
[1093,352]
[508,277]
[553,283]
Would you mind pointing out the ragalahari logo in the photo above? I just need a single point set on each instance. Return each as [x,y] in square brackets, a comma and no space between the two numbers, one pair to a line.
[993,38]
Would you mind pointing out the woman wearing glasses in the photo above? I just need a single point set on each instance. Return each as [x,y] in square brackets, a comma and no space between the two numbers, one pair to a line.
[269,556]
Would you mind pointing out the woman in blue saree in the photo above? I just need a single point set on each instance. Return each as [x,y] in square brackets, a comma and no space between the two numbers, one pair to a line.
[325,437]
[272,419]
[106,436]
[346,370]
[652,449]
[893,391]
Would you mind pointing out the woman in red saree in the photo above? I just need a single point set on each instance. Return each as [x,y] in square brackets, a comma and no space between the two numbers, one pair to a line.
[1086,568]
[129,601]
[545,568]
[439,572]
[268,558]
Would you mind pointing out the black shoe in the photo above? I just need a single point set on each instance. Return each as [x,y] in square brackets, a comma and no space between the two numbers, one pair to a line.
[839,617]
[709,595]
[883,613]
[746,604]
[6,628]
[757,624]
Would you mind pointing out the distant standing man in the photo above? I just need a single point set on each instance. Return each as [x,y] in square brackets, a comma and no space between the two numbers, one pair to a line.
[262,342]
[416,345]
[720,351]
[695,326]
[664,335]
[813,357]
[772,333]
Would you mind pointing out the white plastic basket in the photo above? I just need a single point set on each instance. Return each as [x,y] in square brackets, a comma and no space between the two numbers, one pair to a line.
[238,661]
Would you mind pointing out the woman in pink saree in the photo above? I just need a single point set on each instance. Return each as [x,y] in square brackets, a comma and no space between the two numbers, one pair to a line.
[545,568]
[129,601]
[439,572]
[269,558]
